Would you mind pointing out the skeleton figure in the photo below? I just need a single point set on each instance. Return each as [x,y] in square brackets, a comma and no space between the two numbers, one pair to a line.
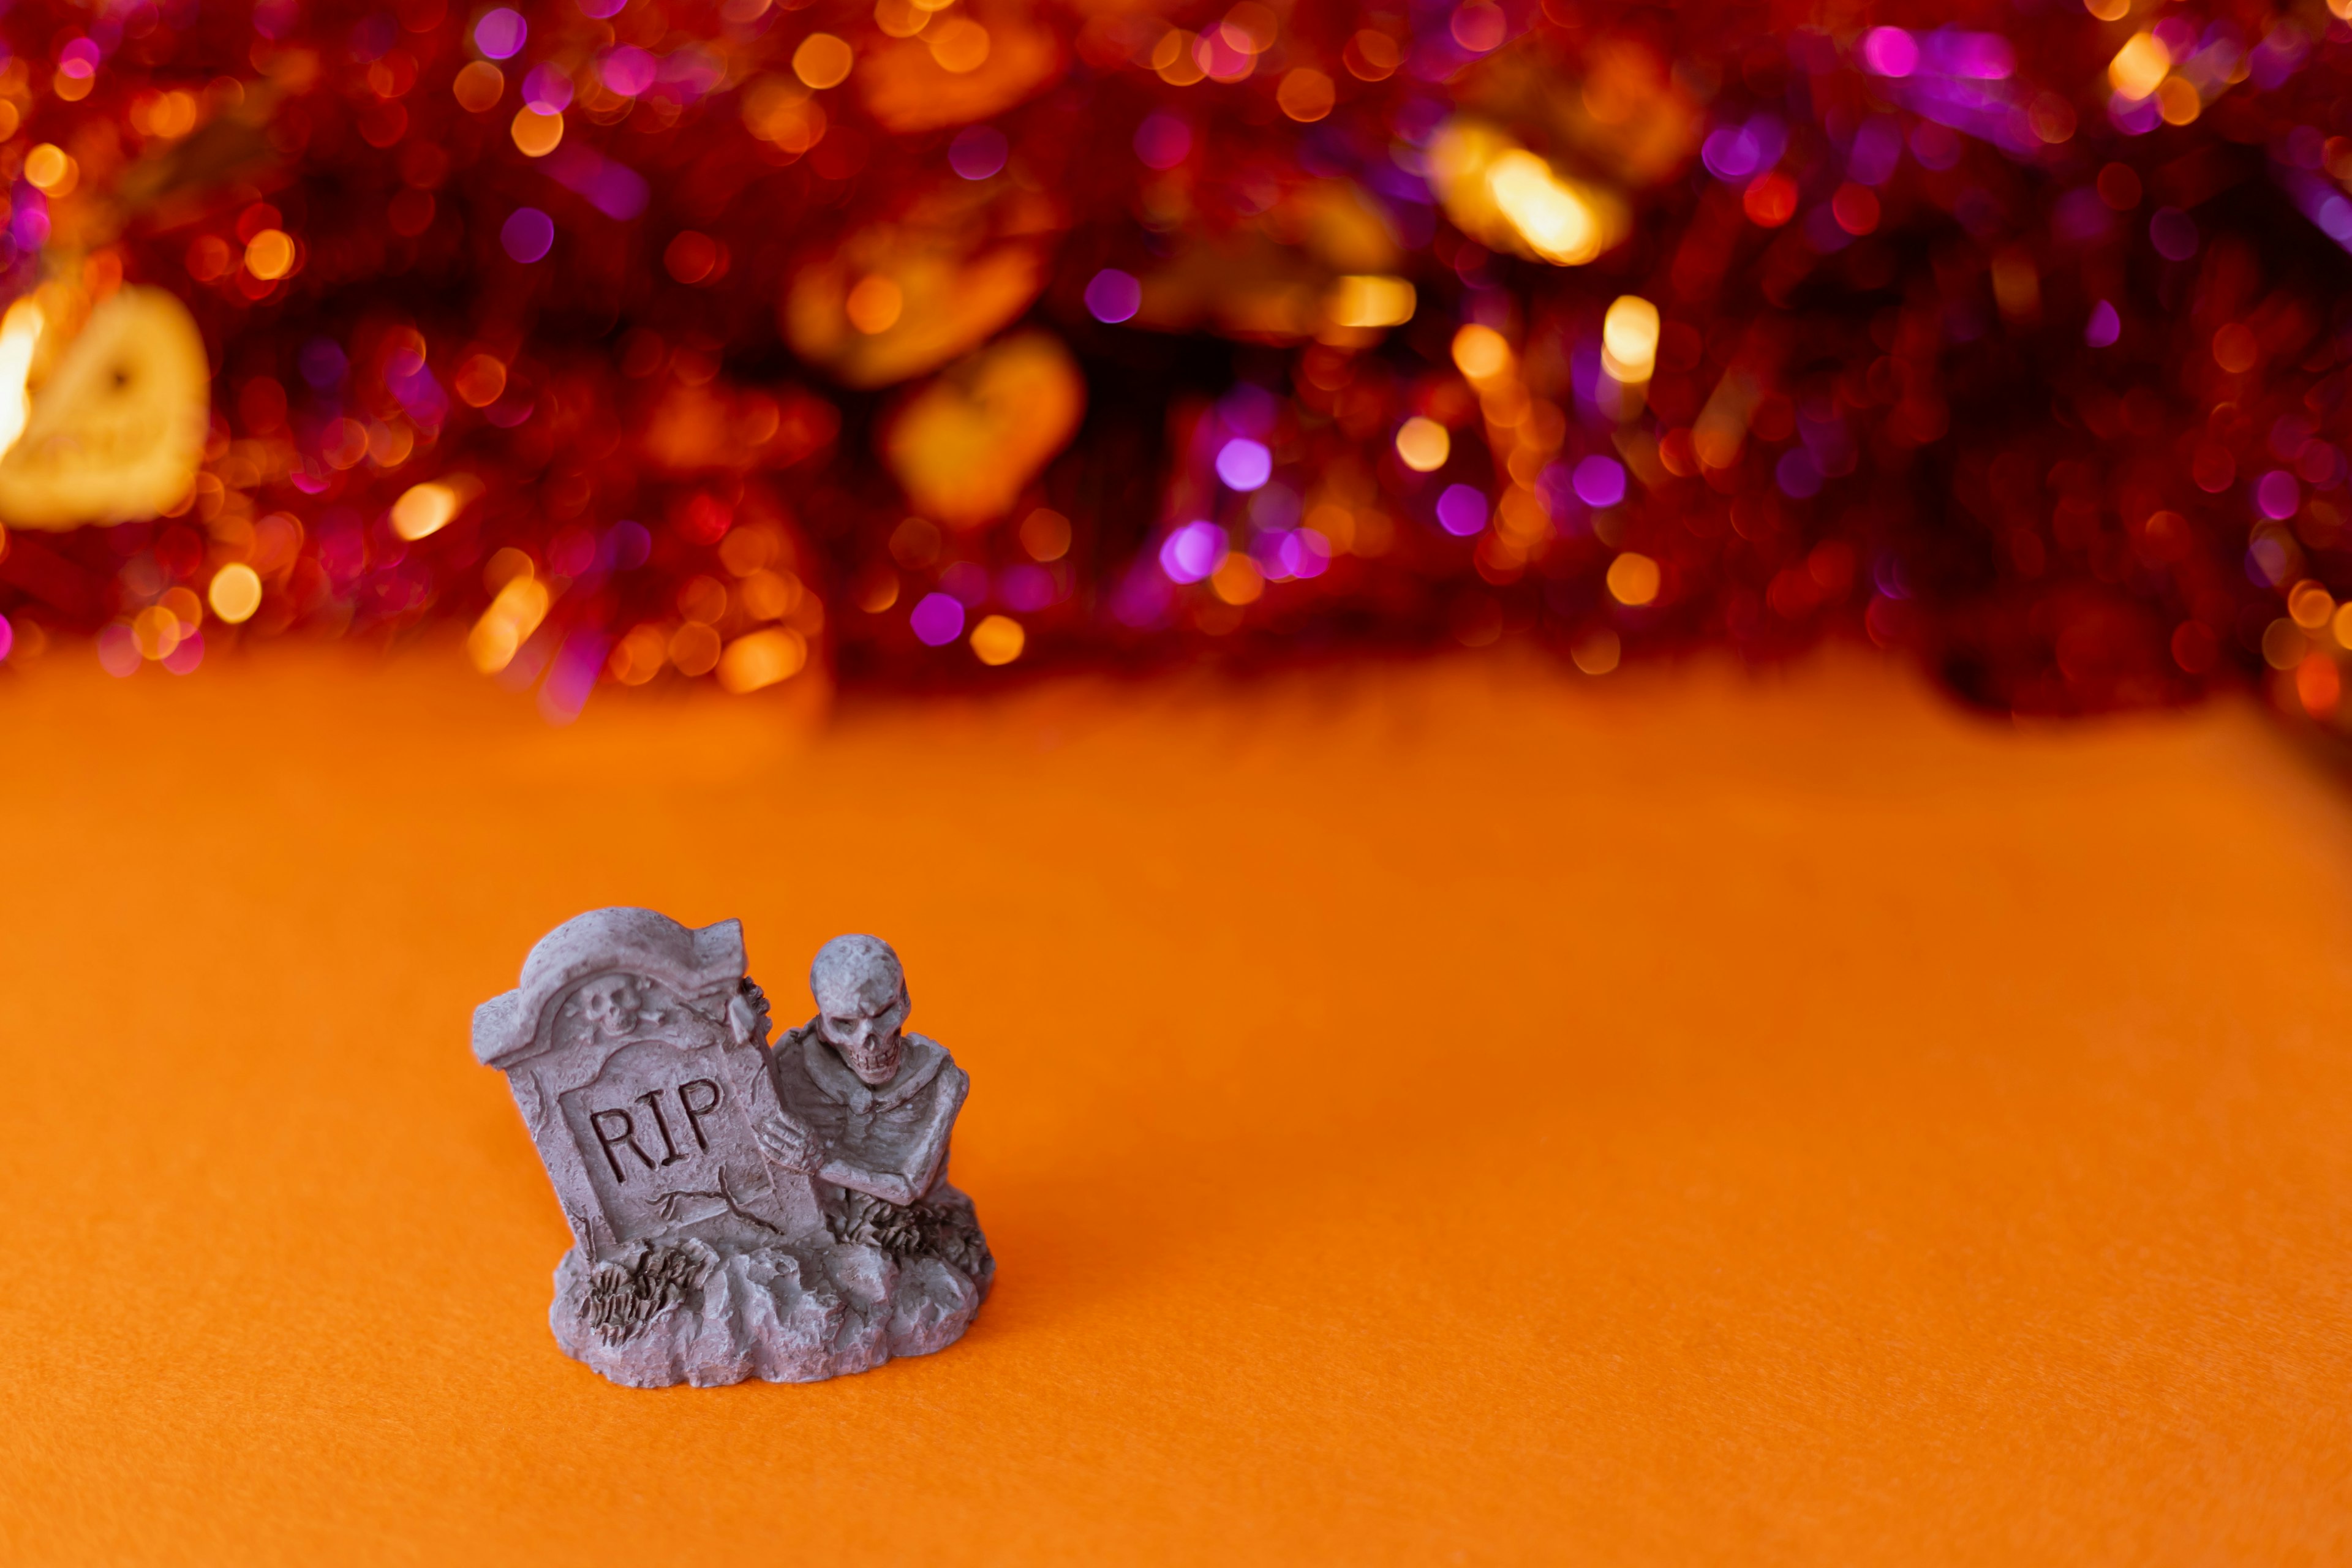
[863,1106]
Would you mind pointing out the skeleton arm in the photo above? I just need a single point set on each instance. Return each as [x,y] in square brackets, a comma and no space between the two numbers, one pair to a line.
[923,1157]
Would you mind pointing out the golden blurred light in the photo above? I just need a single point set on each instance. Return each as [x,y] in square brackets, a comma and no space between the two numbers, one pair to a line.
[762,658]
[1306,95]
[2052,118]
[156,631]
[901,19]
[1556,218]
[1722,425]
[1365,301]
[998,639]
[2108,10]
[2283,644]
[512,616]
[1237,581]
[703,600]
[2342,627]
[1172,58]
[1250,28]
[20,333]
[478,87]
[536,134]
[1633,579]
[1597,651]
[1480,352]
[49,170]
[427,508]
[1423,445]
[967,445]
[639,656]
[1045,534]
[2310,606]
[1371,56]
[748,550]
[959,45]
[874,590]
[506,564]
[2016,284]
[2236,348]
[168,115]
[2139,66]
[780,110]
[479,381]
[235,592]
[2178,102]
[184,606]
[875,304]
[1629,339]
[270,255]
[770,595]
[694,648]
[821,60]
[1508,199]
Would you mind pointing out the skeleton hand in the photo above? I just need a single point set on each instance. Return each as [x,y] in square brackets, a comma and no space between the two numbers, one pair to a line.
[747,1014]
[787,1143]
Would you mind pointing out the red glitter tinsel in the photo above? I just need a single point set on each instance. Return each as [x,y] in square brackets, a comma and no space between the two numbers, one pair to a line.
[2006,335]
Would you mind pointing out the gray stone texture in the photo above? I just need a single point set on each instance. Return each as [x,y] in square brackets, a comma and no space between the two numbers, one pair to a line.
[736,1211]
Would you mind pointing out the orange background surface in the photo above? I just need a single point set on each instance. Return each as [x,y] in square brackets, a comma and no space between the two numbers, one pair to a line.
[1445,1113]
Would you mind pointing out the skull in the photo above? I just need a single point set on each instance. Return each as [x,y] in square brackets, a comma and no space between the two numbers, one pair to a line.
[861,1001]
[609,1004]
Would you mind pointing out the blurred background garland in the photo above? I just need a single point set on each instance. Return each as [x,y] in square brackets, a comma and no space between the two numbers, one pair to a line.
[895,342]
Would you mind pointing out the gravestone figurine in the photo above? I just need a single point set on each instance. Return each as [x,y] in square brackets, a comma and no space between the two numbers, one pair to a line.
[736,1211]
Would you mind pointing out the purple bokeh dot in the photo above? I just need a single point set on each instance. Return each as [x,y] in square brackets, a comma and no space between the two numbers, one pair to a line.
[501,33]
[1462,510]
[1022,587]
[2103,327]
[8,637]
[1600,481]
[1114,296]
[627,70]
[977,151]
[1890,51]
[1163,141]
[937,619]
[2277,495]
[547,90]
[2173,233]
[1796,474]
[1244,464]
[1193,551]
[528,234]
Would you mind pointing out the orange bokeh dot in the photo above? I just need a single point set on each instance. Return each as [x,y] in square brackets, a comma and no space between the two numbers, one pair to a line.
[692,257]
[1855,207]
[1770,201]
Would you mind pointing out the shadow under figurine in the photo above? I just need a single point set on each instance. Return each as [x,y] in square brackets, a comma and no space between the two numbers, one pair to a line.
[736,1211]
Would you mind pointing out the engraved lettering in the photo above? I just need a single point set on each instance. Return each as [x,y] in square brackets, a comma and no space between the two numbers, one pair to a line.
[695,1113]
[626,1135]
[651,1099]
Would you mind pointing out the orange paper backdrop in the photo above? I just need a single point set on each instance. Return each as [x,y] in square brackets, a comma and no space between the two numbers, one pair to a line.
[1444,1113]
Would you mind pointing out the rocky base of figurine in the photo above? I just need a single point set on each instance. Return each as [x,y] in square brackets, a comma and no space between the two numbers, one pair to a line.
[687,1312]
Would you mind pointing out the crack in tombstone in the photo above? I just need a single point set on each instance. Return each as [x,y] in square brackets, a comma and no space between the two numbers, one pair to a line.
[666,1203]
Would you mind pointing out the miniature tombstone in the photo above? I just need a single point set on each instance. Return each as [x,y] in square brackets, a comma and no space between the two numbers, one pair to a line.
[735,1213]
